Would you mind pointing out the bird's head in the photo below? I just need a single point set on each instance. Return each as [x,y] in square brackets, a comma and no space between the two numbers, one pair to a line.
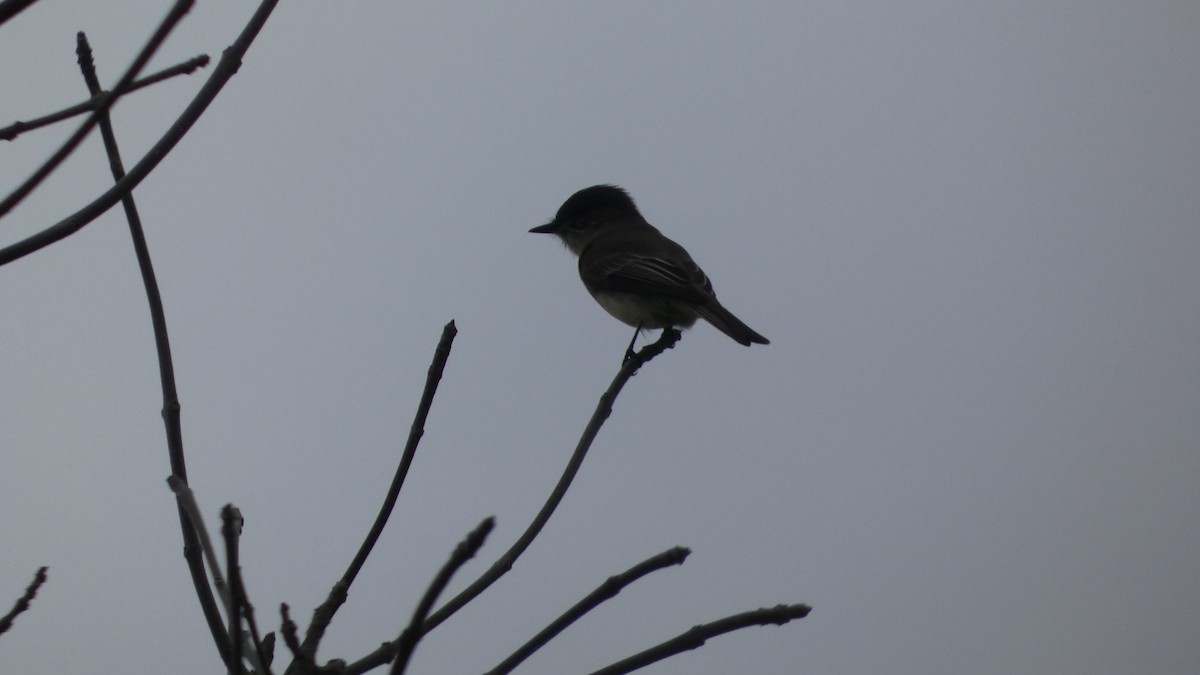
[587,212]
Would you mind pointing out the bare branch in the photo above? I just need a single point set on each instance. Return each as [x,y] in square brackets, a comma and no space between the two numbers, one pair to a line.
[607,590]
[337,595]
[22,604]
[264,648]
[163,347]
[187,506]
[697,635]
[173,17]
[225,69]
[10,8]
[15,129]
[465,550]
[288,628]
[387,650]
[231,527]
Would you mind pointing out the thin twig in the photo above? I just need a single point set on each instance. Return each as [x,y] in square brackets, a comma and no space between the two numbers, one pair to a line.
[10,8]
[231,527]
[188,506]
[606,590]
[239,606]
[465,550]
[264,648]
[22,604]
[162,345]
[697,635]
[292,640]
[226,67]
[338,594]
[174,16]
[15,129]
[387,650]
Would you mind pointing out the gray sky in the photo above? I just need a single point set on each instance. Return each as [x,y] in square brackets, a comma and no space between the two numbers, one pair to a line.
[970,232]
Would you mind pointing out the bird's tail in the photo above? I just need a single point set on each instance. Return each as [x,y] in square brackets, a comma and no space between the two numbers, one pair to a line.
[729,324]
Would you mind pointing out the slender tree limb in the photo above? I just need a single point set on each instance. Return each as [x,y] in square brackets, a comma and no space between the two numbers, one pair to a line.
[226,67]
[465,550]
[387,650]
[292,640]
[10,8]
[162,344]
[607,590]
[323,615]
[174,16]
[186,500]
[697,635]
[231,527]
[23,602]
[264,647]
[239,606]
[15,129]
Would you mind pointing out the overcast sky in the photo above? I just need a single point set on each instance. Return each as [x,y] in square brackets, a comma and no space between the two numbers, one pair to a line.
[970,230]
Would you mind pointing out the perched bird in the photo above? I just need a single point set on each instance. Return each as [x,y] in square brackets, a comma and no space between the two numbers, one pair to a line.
[633,271]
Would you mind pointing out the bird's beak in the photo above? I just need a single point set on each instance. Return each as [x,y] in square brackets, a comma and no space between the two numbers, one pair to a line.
[549,228]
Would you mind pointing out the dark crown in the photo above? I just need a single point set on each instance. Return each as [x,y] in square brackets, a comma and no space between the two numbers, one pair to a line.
[594,199]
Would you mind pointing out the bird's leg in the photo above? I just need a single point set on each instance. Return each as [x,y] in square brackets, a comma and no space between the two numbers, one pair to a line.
[629,349]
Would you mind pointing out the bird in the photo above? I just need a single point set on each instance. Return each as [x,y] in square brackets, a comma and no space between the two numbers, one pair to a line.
[636,273]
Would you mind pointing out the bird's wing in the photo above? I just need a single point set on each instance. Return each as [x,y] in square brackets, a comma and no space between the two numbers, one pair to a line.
[623,271]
